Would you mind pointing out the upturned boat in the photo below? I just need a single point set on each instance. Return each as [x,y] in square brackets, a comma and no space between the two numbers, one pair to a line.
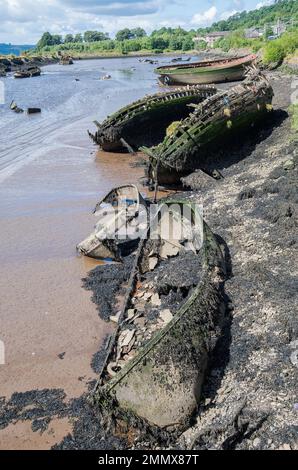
[195,141]
[145,121]
[213,71]
[157,357]
[116,226]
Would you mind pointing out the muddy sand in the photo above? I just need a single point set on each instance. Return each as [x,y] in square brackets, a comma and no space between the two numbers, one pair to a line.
[249,399]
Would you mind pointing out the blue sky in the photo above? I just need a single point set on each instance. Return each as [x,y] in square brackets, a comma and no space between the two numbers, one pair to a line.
[23,21]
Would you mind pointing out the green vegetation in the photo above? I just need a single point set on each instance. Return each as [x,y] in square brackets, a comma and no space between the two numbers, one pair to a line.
[276,51]
[126,41]
[130,41]
[284,10]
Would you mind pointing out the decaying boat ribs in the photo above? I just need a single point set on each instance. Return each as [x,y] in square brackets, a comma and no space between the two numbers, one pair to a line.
[198,137]
[172,316]
[145,121]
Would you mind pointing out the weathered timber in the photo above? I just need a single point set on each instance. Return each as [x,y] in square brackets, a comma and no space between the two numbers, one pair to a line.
[145,121]
[197,138]
[161,380]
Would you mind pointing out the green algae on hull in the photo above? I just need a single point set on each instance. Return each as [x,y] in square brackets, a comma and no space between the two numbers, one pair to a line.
[144,122]
[222,116]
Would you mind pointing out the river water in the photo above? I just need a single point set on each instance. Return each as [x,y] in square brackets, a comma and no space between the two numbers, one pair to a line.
[51,176]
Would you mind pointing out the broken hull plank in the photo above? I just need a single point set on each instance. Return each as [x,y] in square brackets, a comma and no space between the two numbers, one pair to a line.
[162,382]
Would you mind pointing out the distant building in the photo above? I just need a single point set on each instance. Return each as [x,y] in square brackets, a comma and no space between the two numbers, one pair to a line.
[211,38]
[253,33]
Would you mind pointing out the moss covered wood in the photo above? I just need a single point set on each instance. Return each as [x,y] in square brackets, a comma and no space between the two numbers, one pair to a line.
[162,383]
[146,120]
[219,116]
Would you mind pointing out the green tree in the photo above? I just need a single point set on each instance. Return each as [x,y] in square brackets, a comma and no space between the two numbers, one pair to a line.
[94,36]
[124,34]
[68,38]
[78,38]
[45,40]
[138,32]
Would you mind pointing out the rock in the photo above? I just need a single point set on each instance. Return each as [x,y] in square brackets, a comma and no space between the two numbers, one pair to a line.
[289,165]
[155,300]
[115,318]
[131,313]
[152,263]
[169,249]
[256,442]
[285,447]
[166,316]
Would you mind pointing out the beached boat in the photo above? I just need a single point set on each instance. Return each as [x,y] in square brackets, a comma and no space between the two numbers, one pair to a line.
[28,72]
[194,143]
[214,71]
[145,121]
[66,61]
[157,357]
[115,230]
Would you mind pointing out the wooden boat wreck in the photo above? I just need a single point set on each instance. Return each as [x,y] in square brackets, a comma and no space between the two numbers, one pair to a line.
[145,121]
[157,357]
[28,72]
[213,71]
[66,61]
[194,143]
[115,230]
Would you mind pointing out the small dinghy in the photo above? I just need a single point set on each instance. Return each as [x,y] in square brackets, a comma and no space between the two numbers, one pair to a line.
[157,357]
[116,228]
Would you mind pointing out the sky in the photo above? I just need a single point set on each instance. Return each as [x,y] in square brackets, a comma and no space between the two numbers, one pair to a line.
[24,21]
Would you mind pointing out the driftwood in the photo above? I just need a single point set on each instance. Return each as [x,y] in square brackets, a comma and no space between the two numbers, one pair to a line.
[219,116]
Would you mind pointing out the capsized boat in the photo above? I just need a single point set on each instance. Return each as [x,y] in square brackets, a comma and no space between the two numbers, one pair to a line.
[195,141]
[116,228]
[156,360]
[145,121]
[213,71]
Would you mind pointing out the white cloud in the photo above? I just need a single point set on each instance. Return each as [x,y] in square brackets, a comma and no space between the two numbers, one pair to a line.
[204,18]
[226,14]
[264,3]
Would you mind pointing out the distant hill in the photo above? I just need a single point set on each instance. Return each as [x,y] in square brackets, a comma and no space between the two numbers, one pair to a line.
[6,49]
[284,10]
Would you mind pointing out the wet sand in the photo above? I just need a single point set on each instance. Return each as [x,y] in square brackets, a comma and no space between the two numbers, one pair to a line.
[45,210]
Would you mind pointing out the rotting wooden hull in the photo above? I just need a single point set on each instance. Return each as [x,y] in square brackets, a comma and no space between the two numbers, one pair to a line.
[144,122]
[104,242]
[219,118]
[218,71]
[162,383]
